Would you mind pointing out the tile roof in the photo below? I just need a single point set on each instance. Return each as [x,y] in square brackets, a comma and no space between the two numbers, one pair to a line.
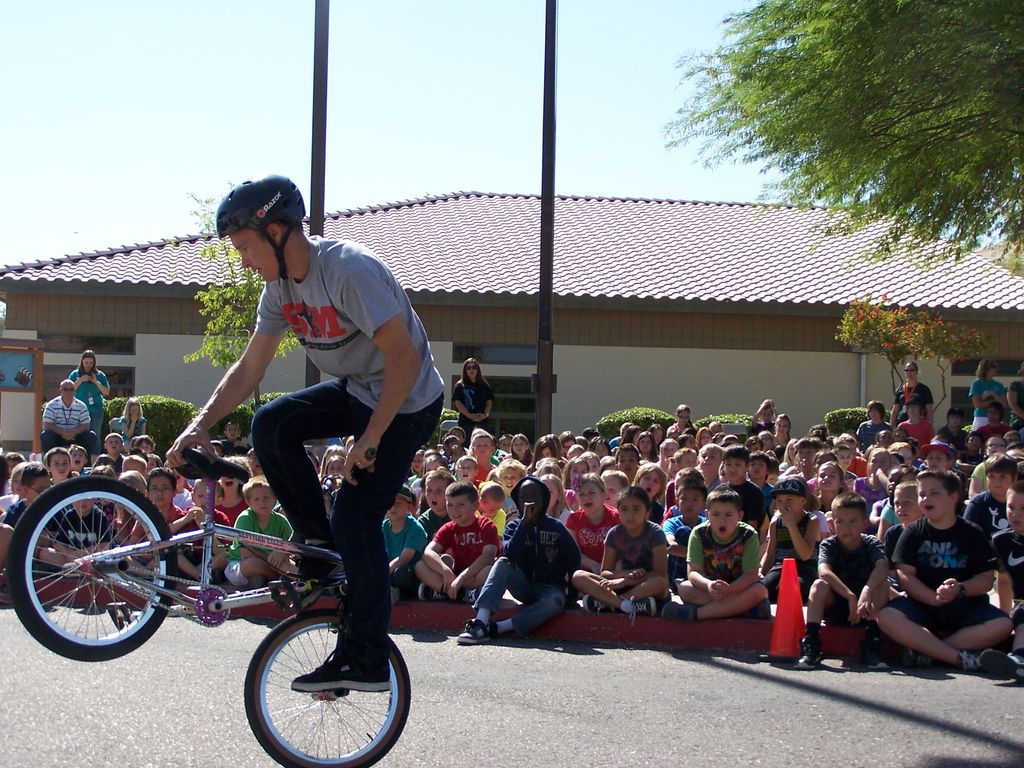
[477,243]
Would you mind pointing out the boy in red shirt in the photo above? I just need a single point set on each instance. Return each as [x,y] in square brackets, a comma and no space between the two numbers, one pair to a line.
[462,552]
[916,426]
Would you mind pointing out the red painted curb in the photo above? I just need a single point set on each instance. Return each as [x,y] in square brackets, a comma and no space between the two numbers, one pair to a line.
[738,635]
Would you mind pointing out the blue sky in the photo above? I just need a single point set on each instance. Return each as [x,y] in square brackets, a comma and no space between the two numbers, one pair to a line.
[117,112]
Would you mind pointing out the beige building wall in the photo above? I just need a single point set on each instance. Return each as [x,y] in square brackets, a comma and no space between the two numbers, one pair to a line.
[606,358]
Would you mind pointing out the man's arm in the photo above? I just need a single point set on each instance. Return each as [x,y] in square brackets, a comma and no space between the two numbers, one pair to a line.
[401,365]
[239,381]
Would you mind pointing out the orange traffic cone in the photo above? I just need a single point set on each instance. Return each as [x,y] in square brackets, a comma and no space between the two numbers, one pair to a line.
[788,627]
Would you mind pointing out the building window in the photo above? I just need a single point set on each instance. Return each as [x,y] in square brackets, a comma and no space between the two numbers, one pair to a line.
[1007,368]
[120,379]
[495,354]
[101,345]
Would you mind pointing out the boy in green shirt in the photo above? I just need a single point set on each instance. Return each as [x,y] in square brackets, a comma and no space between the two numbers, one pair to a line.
[251,567]
[722,566]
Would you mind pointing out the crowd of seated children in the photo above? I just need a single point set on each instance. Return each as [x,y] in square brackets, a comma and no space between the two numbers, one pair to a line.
[657,515]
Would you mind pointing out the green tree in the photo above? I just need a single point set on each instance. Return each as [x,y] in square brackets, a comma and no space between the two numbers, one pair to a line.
[229,304]
[908,112]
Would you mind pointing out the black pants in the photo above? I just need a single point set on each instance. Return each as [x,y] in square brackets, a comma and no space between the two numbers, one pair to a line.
[279,431]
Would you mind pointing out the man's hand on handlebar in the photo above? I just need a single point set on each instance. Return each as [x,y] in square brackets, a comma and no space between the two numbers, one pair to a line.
[362,456]
[191,437]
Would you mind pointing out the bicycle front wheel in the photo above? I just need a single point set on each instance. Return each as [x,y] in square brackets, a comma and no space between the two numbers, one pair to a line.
[304,730]
[64,600]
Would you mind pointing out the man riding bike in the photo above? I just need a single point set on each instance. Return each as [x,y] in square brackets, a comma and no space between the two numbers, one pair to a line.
[357,326]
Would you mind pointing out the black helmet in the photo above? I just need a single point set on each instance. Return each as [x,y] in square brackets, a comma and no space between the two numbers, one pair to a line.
[254,204]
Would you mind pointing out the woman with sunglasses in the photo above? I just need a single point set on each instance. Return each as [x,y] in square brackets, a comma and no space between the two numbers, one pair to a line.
[473,398]
[911,391]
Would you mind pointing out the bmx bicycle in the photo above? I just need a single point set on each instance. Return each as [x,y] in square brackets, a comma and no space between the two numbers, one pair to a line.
[93,572]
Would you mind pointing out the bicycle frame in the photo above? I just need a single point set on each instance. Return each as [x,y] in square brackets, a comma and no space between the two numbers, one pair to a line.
[109,561]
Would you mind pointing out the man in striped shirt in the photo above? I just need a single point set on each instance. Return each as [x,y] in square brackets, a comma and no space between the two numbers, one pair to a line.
[66,422]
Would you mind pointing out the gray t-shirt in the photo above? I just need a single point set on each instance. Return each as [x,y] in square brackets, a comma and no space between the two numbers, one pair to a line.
[347,295]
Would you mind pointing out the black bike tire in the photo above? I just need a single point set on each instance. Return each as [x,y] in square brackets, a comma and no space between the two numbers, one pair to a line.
[254,712]
[21,585]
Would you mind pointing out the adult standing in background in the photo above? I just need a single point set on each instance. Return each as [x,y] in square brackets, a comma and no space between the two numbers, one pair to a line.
[911,391]
[91,387]
[473,398]
[985,390]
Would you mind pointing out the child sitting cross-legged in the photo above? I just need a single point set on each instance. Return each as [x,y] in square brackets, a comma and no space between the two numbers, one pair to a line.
[1009,546]
[793,532]
[852,584]
[634,566]
[945,564]
[455,564]
[687,514]
[404,540]
[251,567]
[722,563]
[536,567]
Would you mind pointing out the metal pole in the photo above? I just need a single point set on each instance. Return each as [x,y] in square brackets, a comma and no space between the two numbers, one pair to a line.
[545,380]
[318,166]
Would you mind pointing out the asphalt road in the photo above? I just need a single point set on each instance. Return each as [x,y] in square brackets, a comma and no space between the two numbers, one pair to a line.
[177,702]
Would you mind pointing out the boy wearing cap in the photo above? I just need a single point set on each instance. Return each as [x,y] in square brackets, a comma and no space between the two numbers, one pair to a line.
[405,540]
[793,532]
[536,568]
[987,510]
[938,455]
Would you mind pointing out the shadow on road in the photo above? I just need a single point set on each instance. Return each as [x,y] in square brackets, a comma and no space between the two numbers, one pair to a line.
[881,709]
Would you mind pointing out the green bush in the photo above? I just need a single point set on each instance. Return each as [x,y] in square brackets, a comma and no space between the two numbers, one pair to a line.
[165,417]
[726,418]
[447,414]
[847,420]
[643,416]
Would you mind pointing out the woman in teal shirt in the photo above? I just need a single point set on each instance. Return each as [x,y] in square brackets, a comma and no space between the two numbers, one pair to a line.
[985,390]
[91,387]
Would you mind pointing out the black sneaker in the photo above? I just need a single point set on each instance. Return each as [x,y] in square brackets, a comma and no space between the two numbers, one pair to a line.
[910,658]
[593,605]
[316,569]
[646,606]
[337,673]
[475,633]
[871,653]
[470,595]
[1008,666]
[426,594]
[810,653]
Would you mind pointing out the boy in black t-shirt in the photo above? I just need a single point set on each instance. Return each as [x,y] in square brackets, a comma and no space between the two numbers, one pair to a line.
[987,510]
[851,586]
[945,564]
[1009,546]
[735,463]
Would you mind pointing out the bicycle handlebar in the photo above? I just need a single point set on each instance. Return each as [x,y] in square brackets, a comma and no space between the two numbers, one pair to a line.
[198,465]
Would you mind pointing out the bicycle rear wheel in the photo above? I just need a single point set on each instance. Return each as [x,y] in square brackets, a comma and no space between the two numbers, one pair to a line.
[66,603]
[303,730]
